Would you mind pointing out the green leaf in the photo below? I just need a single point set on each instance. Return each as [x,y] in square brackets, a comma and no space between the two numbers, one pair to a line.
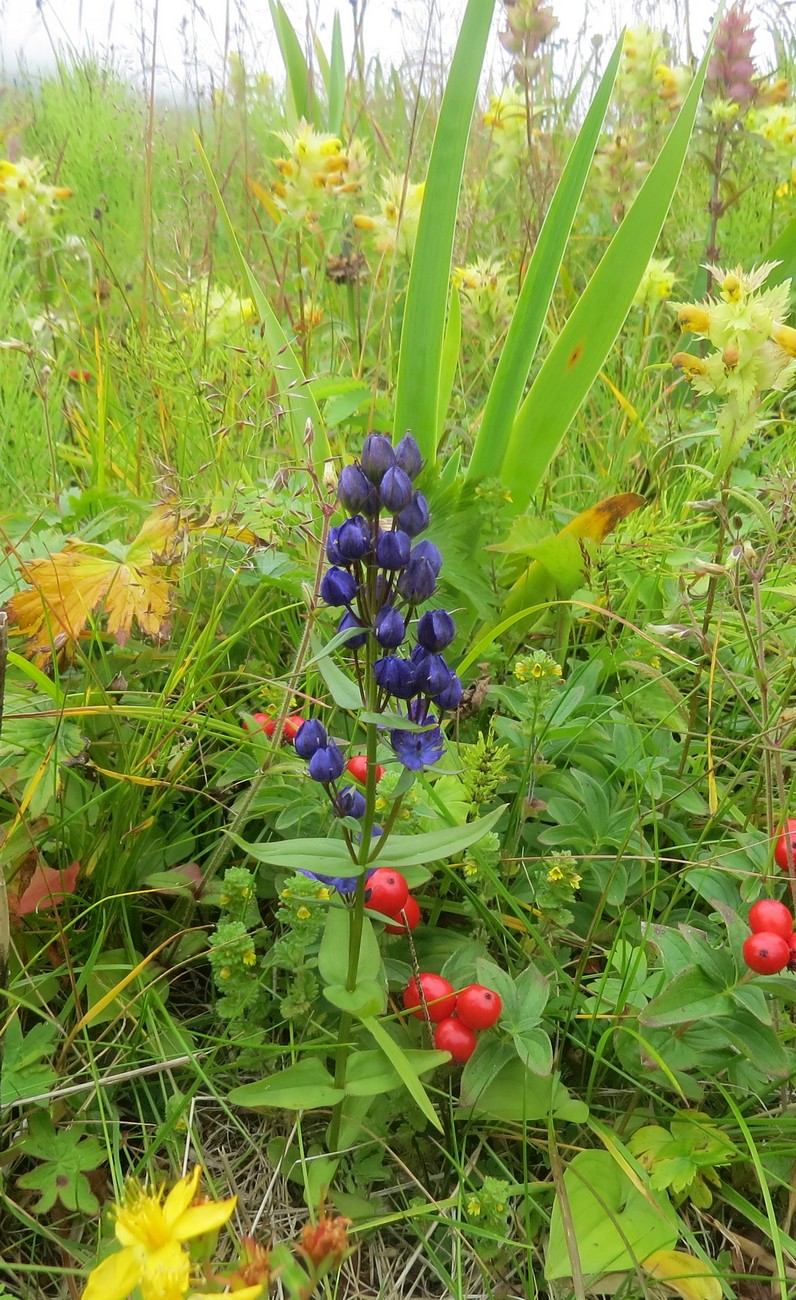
[535,1050]
[783,250]
[333,955]
[294,392]
[417,850]
[516,1094]
[530,313]
[305,1086]
[450,356]
[580,350]
[757,1043]
[323,857]
[335,88]
[616,1225]
[483,1067]
[26,1069]
[692,995]
[367,998]
[298,74]
[403,1067]
[418,387]
[370,1073]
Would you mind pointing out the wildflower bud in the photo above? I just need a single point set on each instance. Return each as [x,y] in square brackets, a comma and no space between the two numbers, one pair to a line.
[390,627]
[338,587]
[436,630]
[694,319]
[353,539]
[350,802]
[326,764]
[392,550]
[433,674]
[730,356]
[395,490]
[429,552]
[311,737]
[689,364]
[451,697]
[414,517]
[407,456]
[396,676]
[347,622]
[325,1243]
[333,553]
[377,456]
[785,337]
[708,566]
[353,488]
[418,580]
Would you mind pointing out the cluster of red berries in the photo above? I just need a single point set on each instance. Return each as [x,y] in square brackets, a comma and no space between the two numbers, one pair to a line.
[388,893]
[290,730]
[457,1017]
[772,944]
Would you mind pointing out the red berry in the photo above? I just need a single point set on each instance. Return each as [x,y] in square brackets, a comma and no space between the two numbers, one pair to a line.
[387,891]
[478,1007]
[358,768]
[766,953]
[772,917]
[792,957]
[264,723]
[439,994]
[407,919]
[788,837]
[293,725]
[453,1036]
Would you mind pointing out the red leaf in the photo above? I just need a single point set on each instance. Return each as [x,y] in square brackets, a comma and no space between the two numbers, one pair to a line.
[46,888]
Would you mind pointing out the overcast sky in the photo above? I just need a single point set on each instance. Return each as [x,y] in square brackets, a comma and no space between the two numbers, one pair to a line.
[196,32]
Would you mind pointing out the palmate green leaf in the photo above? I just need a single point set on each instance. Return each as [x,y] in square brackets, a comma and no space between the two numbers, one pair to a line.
[530,313]
[299,83]
[580,350]
[419,367]
[294,391]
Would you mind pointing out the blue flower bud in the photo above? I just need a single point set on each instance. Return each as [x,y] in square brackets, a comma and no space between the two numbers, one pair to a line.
[433,675]
[338,587]
[396,676]
[326,764]
[310,737]
[333,554]
[373,504]
[353,488]
[407,455]
[377,456]
[390,627]
[435,630]
[395,490]
[350,802]
[418,581]
[353,539]
[347,622]
[392,550]
[414,517]
[429,552]
[451,697]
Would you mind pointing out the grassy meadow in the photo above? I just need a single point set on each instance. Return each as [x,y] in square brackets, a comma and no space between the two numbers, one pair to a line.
[397,785]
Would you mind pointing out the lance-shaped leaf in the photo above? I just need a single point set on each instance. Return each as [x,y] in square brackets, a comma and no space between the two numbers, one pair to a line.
[299,78]
[691,1278]
[585,341]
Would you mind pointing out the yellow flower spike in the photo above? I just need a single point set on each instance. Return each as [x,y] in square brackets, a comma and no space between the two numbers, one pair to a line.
[785,337]
[693,319]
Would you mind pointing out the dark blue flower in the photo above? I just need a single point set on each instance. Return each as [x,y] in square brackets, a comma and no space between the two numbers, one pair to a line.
[343,884]
[392,550]
[414,517]
[433,674]
[347,622]
[350,802]
[396,676]
[390,627]
[333,554]
[353,538]
[395,490]
[326,764]
[407,455]
[419,712]
[311,736]
[338,587]
[451,697]
[418,580]
[377,456]
[436,630]
[429,552]
[353,488]
[418,749]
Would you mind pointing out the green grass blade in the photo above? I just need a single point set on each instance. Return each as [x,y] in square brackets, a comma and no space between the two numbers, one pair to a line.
[450,354]
[294,391]
[417,394]
[298,74]
[783,250]
[335,89]
[527,323]
[585,341]
[403,1068]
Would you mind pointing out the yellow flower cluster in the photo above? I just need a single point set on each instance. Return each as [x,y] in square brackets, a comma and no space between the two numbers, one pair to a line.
[220,312]
[656,283]
[537,667]
[777,126]
[394,227]
[487,300]
[315,167]
[31,205]
[644,75]
[507,116]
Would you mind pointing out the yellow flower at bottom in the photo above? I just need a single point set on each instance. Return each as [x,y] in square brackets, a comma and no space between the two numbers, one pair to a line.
[151,1232]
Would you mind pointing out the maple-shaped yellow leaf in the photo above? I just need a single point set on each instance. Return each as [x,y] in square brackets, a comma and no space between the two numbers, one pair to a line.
[67,588]
[689,1277]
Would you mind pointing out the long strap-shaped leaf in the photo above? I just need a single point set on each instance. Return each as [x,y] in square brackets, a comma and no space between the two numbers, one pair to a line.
[585,341]
[416,398]
[527,323]
[298,73]
[294,390]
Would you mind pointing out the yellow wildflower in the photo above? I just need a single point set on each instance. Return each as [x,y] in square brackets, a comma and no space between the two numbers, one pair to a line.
[394,227]
[31,206]
[313,168]
[487,299]
[219,311]
[656,283]
[152,1231]
[303,913]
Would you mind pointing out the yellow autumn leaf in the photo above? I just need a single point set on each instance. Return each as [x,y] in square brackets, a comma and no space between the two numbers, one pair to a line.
[691,1278]
[66,589]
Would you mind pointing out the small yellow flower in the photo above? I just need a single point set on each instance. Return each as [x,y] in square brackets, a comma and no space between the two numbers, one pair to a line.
[249,957]
[303,913]
[151,1231]
[324,893]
